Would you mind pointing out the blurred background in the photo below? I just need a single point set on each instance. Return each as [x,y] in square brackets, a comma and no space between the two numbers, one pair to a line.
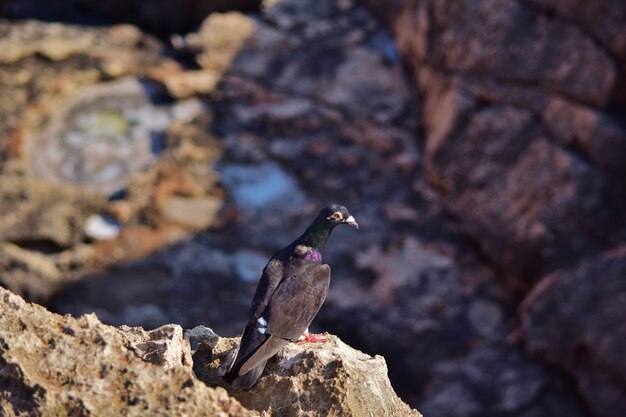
[155,154]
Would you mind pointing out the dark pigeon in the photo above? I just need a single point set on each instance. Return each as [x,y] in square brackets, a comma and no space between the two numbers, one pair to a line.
[289,295]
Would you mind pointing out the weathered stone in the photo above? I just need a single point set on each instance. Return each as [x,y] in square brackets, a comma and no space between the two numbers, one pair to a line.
[540,213]
[34,211]
[512,44]
[331,377]
[604,20]
[100,137]
[498,379]
[27,272]
[490,90]
[600,137]
[163,346]
[54,365]
[574,319]
[201,334]
[428,302]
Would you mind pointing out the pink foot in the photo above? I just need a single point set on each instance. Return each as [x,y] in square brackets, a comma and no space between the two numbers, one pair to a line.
[312,338]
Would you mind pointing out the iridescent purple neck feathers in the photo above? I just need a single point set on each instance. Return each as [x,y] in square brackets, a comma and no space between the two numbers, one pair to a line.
[313,256]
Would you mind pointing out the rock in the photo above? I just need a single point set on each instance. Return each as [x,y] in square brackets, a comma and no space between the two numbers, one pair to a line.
[54,365]
[398,267]
[194,213]
[513,44]
[428,308]
[202,334]
[296,383]
[30,273]
[574,319]
[35,212]
[600,137]
[498,380]
[493,89]
[604,20]
[100,137]
[220,38]
[163,346]
[504,200]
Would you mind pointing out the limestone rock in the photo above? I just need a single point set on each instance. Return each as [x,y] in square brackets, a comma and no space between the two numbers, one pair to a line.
[304,379]
[574,319]
[59,365]
[163,346]
[33,210]
[27,272]
[54,365]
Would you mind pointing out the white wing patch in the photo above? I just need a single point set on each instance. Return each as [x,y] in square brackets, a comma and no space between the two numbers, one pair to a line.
[262,325]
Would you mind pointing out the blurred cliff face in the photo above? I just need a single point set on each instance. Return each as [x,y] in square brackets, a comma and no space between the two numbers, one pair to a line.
[481,145]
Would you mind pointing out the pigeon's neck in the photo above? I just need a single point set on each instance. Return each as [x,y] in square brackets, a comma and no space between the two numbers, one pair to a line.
[315,236]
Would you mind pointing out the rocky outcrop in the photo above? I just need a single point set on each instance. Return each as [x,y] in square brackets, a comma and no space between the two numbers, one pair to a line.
[89,137]
[304,380]
[525,142]
[54,365]
[574,319]
[524,102]
[498,379]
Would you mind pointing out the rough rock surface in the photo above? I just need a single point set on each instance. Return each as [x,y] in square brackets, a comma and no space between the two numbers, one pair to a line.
[52,365]
[303,380]
[88,129]
[517,386]
[525,142]
[574,319]
[522,103]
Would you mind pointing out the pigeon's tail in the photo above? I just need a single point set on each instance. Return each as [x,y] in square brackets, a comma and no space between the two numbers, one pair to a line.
[255,349]
[246,380]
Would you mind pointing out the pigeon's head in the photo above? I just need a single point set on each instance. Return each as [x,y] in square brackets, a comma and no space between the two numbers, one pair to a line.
[336,214]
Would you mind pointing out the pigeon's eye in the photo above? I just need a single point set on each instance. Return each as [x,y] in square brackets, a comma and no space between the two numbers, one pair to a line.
[337,216]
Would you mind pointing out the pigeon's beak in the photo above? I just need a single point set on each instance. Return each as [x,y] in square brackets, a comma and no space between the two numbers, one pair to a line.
[350,220]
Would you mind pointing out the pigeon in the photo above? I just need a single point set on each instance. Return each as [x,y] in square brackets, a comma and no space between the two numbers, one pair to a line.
[291,291]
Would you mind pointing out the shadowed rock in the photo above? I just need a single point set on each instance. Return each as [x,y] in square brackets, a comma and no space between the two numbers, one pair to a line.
[574,319]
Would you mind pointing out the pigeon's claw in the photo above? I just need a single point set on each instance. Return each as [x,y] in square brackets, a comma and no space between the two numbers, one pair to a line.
[311,338]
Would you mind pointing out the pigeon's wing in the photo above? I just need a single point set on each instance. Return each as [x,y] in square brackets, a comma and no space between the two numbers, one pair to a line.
[257,344]
[297,300]
[271,277]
